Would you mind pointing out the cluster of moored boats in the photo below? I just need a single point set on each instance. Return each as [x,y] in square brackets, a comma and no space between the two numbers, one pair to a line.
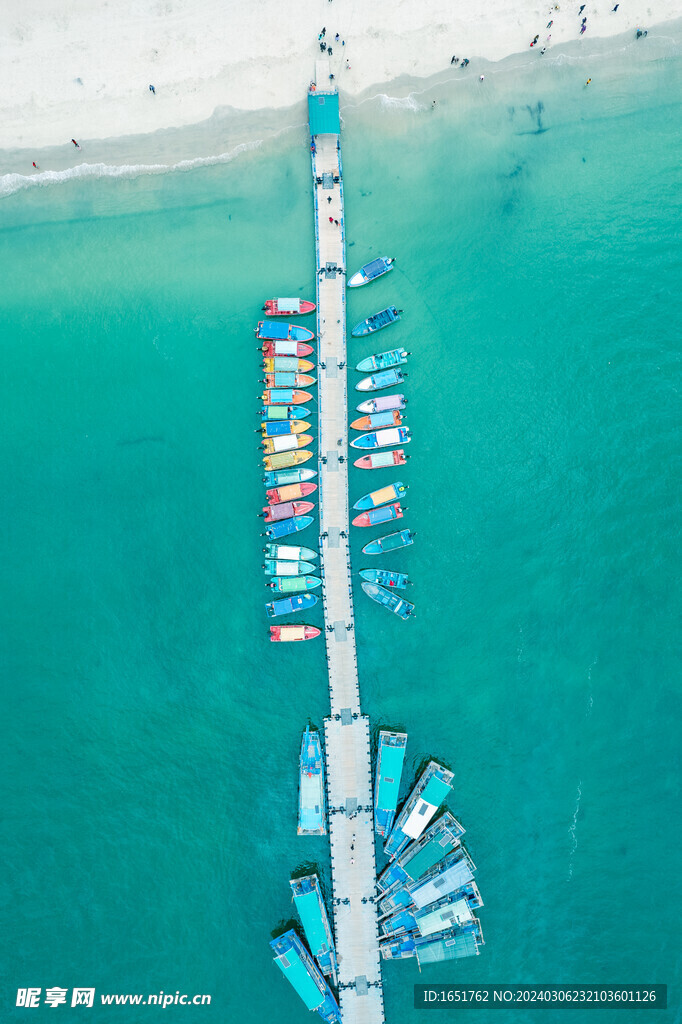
[286,446]
[383,436]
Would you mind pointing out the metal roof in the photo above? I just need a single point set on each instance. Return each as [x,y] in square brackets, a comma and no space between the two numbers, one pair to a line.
[308,907]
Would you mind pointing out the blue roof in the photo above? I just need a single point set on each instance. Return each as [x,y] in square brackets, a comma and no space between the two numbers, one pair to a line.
[323,113]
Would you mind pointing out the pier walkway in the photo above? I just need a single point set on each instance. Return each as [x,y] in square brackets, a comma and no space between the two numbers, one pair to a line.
[346,731]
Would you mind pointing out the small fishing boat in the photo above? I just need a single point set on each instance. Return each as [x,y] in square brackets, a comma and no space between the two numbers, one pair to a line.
[290,492]
[287,634]
[382,438]
[287,379]
[390,418]
[389,543]
[382,403]
[279,567]
[380,497]
[288,307]
[269,331]
[288,552]
[287,605]
[286,348]
[286,443]
[371,271]
[312,812]
[376,321]
[386,578]
[383,360]
[284,427]
[287,526]
[403,609]
[288,476]
[280,413]
[286,510]
[385,514]
[285,396]
[287,364]
[293,584]
[382,460]
[384,379]
[285,460]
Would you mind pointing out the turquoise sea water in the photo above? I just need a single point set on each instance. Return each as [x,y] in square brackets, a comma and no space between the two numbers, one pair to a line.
[151,732]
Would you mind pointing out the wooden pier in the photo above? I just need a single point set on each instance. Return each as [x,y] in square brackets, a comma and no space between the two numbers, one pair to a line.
[346,731]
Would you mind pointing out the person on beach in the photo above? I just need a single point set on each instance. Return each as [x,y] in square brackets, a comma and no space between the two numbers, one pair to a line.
[329,50]
[337,37]
[582,29]
[329,199]
[581,10]
[331,220]
[323,32]
[481,78]
[543,50]
[152,89]
[347,66]
[75,143]
[323,47]
[588,81]
[36,165]
[614,9]
[550,24]
[454,60]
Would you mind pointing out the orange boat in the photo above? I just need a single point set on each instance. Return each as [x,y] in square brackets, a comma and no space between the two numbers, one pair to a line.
[289,493]
[268,429]
[290,633]
[285,396]
[378,419]
[382,460]
[286,348]
[287,364]
[288,380]
[285,443]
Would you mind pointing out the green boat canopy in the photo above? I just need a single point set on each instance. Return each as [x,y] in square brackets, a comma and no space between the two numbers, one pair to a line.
[323,113]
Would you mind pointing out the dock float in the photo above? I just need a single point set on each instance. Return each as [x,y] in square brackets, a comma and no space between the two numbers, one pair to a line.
[346,730]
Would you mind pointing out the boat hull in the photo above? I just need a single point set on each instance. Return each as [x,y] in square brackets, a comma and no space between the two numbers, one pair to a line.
[382,438]
[289,634]
[376,322]
[275,349]
[285,460]
[285,443]
[285,527]
[287,510]
[289,380]
[285,396]
[281,413]
[391,542]
[381,380]
[281,427]
[371,271]
[382,403]
[293,584]
[385,578]
[312,810]
[268,331]
[382,460]
[282,477]
[289,552]
[287,364]
[290,492]
[287,605]
[288,307]
[377,419]
[381,496]
[375,516]
[279,567]
[403,609]
[383,360]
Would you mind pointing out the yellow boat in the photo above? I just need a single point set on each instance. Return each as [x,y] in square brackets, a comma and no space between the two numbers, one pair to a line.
[285,460]
[287,364]
[286,443]
[269,429]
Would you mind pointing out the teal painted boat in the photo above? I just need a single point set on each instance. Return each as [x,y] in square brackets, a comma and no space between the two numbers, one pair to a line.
[280,567]
[383,360]
[403,609]
[382,496]
[390,542]
[284,412]
[293,584]
[375,322]
[390,759]
[386,578]
[283,477]
[289,552]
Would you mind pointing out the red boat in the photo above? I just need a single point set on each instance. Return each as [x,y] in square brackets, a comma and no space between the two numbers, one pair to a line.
[382,460]
[287,510]
[384,514]
[285,396]
[286,634]
[288,307]
[286,348]
[291,492]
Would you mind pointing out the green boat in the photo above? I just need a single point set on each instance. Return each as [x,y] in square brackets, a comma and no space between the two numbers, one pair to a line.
[293,584]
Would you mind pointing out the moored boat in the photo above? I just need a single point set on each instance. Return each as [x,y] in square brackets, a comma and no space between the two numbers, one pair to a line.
[403,609]
[287,364]
[390,542]
[269,331]
[273,349]
[383,360]
[287,605]
[372,270]
[390,760]
[288,307]
[383,379]
[277,429]
[287,510]
[391,418]
[280,567]
[386,578]
[288,476]
[385,514]
[287,526]
[312,812]
[285,396]
[287,379]
[381,496]
[382,438]
[285,443]
[291,633]
[279,413]
[382,460]
[289,552]
[299,968]
[285,460]
[313,914]
[290,492]
[376,321]
[293,584]
[382,403]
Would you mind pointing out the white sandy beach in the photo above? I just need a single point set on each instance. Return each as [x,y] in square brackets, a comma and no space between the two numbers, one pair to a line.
[82,68]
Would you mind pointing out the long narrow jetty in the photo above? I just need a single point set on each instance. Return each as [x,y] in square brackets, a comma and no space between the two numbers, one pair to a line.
[347,740]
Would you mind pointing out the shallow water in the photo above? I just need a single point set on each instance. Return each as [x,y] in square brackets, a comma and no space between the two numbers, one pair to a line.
[152,732]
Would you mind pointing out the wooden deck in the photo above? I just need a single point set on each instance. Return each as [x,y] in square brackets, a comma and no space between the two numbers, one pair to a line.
[347,740]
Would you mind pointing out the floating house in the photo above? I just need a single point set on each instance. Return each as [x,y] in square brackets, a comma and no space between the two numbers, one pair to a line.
[300,970]
[390,758]
[313,914]
[420,807]
[312,818]
[437,842]
[450,945]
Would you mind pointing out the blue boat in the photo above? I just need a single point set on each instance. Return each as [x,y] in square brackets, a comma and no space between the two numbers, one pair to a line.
[313,914]
[371,271]
[282,567]
[432,788]
[303,974]
[287,605]
[293,584]
[437,843]
[273,330]
[383,438]
[284,412]
[375,322]
[278,429]
[282,477]
[389,543]
[384,514]
[386,578]
[289,553]
[287,526]
[312,815]
[390,759]
[392,492]
[385,379]
[403,609]
[383,360]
